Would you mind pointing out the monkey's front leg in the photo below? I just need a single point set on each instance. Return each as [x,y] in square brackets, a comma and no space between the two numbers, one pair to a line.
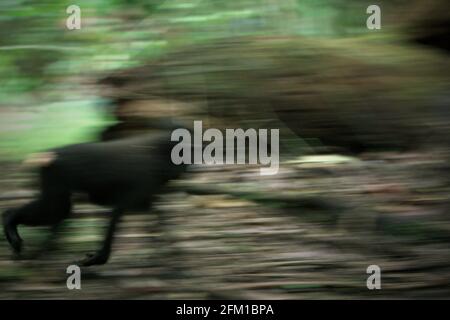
[102,255]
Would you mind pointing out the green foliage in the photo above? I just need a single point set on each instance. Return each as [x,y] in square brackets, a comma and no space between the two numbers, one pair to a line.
[41,61]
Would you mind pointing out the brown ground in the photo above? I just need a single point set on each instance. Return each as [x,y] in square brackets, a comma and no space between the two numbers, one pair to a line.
[309,232]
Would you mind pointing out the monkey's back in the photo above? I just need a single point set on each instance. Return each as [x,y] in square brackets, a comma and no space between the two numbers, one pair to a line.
[124,172]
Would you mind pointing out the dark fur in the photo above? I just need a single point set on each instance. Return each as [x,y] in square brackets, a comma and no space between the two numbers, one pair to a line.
[124,174]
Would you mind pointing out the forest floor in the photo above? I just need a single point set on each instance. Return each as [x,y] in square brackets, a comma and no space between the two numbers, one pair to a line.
[309,232]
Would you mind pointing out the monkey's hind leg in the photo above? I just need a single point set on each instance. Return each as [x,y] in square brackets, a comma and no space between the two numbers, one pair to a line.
[41,212]
[10,230]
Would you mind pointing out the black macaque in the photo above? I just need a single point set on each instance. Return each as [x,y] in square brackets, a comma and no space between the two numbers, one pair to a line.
[124,174]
